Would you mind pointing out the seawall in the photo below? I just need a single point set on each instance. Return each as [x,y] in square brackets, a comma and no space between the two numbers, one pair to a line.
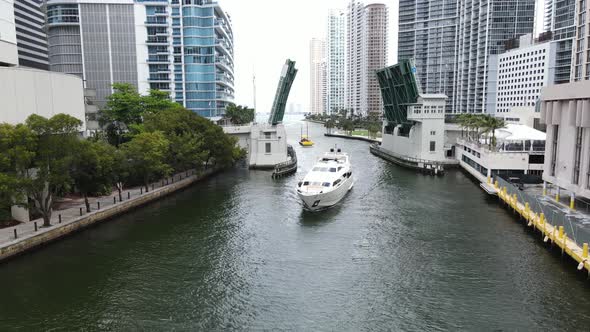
[42,236]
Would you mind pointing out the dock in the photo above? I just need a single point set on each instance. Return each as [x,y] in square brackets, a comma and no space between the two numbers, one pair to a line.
[288,167]
[530,211]
[421,165]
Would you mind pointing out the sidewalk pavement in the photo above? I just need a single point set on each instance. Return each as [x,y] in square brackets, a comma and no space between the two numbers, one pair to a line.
[73,213]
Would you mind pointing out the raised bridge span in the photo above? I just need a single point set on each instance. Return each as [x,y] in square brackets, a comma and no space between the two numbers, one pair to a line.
[266,143]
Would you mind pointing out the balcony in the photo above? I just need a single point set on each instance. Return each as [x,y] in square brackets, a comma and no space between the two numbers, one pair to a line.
[159,77]
[156,40]
[158,58]
[156,21]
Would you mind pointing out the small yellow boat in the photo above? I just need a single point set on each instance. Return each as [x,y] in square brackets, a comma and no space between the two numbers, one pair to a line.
[304,141]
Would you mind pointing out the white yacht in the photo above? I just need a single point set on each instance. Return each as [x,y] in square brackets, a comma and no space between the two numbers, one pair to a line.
[327,182]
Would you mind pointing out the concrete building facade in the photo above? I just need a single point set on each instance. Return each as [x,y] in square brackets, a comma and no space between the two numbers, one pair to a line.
[522,72]
[366,36]
[317,76]
[565,109]
[483,28]
[335,60]
[428,34]
[27,91]
[95,41]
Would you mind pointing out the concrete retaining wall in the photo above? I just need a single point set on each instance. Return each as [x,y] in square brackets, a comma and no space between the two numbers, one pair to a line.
[57,231]
[360,138]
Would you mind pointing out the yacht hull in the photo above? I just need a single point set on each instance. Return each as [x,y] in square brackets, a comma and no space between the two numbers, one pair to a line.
[321,201]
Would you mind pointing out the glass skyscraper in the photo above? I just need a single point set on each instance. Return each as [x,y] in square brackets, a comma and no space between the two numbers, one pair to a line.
[182,47]
[483,28]
[428,34]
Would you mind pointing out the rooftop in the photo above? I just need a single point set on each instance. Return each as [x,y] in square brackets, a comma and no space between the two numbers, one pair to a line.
[519,132]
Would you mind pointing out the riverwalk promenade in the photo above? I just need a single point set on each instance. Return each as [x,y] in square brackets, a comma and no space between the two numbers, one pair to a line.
[26,236]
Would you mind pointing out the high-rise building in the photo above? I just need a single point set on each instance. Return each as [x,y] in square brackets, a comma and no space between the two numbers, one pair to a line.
[560,19]
[181,47]
[94,40]
[8,49]
[522,72]
[428,34]
[547,15]
[376,55]
[30,36]
[367,30]
[335,60]
[354,55]
[317,76]
[483,28]
[581,46]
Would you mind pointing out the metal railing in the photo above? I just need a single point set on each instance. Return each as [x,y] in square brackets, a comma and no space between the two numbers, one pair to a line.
[576,225]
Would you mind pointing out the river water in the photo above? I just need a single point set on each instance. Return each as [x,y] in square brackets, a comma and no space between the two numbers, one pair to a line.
[402,251]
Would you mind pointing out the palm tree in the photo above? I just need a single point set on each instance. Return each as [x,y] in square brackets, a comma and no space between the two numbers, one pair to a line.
[462,121]
[329,124]
[491,124]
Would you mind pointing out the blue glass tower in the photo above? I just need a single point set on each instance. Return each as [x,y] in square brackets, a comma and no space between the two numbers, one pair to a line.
[198,72]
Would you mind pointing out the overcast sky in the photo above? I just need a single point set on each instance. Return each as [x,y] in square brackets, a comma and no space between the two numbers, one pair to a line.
[267,32]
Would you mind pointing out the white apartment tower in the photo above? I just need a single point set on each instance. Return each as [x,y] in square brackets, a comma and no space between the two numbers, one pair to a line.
[335,60]
[522,72]
[367,30]
[317,76]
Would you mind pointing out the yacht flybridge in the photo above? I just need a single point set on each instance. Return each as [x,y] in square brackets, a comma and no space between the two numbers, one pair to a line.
[328,181]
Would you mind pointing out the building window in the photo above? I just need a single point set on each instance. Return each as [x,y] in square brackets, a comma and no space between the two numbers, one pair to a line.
[267,147]
[267,135]
[432,146]
[554,152]
[432,132]
[578,152]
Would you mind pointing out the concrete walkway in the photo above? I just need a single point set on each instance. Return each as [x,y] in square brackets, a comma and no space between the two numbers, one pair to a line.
[74,213]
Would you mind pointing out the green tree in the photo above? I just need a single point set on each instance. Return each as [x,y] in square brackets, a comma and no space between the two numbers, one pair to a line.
[183,129]
[329,124]
[18,145]
[347,125]
[145,155]
[93,168]
[124,112]
[49,175]
[222,149]
[239,115]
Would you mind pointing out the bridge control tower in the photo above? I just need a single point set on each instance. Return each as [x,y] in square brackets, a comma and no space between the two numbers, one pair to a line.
[266,143]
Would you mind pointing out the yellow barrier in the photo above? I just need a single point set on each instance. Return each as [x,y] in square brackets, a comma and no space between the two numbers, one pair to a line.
[539,221]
